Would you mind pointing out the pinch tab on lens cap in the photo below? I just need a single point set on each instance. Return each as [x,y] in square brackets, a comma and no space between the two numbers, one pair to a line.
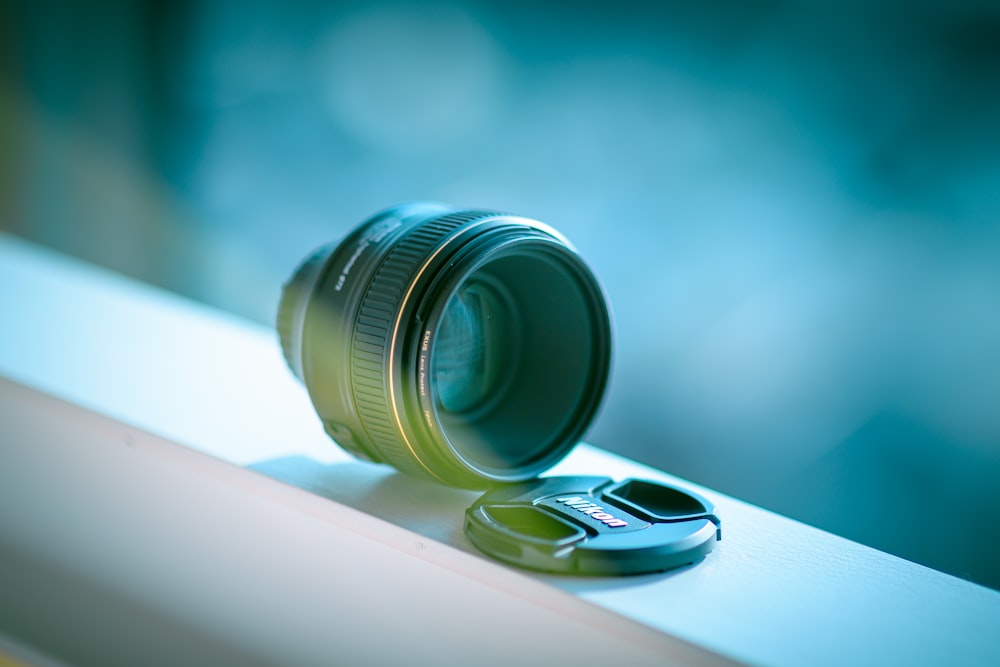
[593,526]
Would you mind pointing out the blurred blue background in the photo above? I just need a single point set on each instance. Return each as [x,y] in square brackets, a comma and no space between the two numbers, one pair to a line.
[794,205]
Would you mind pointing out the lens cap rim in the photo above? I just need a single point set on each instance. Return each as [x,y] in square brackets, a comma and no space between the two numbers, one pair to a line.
[611,537]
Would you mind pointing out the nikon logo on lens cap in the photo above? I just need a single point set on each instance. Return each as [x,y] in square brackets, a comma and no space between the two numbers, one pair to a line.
[594,511]
[593,525]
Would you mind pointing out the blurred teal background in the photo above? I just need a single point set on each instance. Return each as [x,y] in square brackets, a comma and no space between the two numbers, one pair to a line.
[795,206]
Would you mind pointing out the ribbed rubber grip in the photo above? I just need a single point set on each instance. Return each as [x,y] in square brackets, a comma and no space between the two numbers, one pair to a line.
[372,342]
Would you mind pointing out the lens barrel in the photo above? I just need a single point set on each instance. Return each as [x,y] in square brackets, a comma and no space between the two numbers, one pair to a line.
[465,346]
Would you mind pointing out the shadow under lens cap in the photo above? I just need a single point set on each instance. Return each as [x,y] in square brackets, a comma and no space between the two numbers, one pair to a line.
[593,525]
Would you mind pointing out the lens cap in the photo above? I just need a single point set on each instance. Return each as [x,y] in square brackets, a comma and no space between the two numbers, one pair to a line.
[593,525]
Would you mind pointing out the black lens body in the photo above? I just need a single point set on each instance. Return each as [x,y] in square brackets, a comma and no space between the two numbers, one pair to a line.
[469,347]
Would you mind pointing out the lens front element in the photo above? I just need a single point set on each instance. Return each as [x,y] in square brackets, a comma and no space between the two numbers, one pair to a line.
[475,350]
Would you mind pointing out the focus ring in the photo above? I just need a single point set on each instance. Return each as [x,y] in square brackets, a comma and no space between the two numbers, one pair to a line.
[372,339]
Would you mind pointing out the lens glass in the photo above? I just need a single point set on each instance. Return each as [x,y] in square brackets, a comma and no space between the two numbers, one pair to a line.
[517,358]
[474,351]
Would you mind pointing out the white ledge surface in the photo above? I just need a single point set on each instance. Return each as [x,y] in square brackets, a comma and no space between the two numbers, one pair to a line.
[774,591]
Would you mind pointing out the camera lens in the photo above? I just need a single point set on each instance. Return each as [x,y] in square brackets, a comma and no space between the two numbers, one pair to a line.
[470,347]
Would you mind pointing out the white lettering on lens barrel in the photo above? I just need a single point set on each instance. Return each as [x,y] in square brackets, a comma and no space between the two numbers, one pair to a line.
[594,511]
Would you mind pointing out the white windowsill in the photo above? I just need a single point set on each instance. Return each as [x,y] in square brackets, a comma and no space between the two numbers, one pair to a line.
[774,591]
